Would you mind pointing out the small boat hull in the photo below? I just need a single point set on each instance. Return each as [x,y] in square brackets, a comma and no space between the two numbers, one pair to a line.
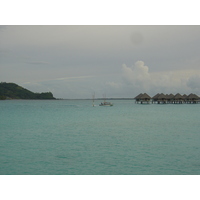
[105,104]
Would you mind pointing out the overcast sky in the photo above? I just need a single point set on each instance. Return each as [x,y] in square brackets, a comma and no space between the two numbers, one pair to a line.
[119,61]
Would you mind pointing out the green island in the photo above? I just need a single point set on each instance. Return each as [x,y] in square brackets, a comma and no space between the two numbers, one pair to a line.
[14,91]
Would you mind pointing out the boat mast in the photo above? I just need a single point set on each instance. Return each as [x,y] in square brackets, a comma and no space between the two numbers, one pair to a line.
[93,96]
[104,96]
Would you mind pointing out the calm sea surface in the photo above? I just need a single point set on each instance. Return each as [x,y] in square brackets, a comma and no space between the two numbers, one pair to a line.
[70,137]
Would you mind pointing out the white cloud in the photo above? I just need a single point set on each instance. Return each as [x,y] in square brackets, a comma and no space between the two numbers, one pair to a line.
[139,79]
[138,75]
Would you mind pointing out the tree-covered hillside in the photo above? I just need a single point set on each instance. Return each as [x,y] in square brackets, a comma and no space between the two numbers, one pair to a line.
[14,91]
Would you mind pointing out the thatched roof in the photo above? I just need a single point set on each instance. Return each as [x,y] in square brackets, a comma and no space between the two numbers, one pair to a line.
[141,96]
[167,96]
[192,97]
[155,97]
[185,96]
[178,97]
[161,97]
[138,96]
[171,96]
[145,96]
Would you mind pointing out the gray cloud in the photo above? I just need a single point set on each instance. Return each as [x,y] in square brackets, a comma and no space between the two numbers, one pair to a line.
[3,27]
[137,38]
[37,62]
[194,82]
[168,55]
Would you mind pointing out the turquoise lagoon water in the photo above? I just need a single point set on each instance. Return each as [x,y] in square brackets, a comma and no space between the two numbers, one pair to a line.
[70,137]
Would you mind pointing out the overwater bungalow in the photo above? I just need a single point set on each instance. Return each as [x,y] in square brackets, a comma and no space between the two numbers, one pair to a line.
[137,98]
[167,98]
[160,98]
[155,98]
[184,97]
[145,98]
[142,98]
[192,98]
[178,98]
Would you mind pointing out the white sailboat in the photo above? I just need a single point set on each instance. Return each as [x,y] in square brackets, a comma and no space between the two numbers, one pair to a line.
[105,103]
